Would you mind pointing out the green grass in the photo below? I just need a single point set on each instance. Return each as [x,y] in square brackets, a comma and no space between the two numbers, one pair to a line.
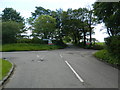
[28,47]
[104,55]
[100,43]
[99,46]
[5,67]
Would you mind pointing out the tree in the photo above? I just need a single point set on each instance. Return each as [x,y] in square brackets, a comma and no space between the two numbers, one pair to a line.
[10,31]
[82,14]
[9,14]
[40,11]
[72,23]
[45,26]
[109,12]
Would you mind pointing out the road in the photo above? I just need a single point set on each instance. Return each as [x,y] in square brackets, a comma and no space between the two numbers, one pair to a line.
[64,68]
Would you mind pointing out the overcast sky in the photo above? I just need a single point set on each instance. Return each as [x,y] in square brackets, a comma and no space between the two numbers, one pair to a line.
[25,7]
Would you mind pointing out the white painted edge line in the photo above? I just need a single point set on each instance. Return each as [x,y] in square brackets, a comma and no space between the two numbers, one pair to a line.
[74,72]
[8,75]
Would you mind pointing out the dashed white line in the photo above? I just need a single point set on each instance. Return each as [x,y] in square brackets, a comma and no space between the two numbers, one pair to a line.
[43,57]
[74,72]
[38,56]
[61,56]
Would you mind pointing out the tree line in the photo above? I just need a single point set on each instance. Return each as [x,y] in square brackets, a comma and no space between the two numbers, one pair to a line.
[71,25]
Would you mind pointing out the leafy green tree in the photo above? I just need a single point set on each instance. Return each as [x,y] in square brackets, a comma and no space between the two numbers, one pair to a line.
[76,23]
[109,12]
[9,14]
[45,26]
[72,23]
[10,31]
[40,11]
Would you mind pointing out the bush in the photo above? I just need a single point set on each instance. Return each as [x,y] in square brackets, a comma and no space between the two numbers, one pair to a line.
[94,46]
[104,55]
[10,29]
[97,47]
[113,45]
[37,40]
[33,40]
[24,40]
[60,43]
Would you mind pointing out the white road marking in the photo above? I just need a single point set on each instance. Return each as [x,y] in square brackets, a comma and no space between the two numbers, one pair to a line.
[74,72]
[42,57]
[38,56]
[61,56]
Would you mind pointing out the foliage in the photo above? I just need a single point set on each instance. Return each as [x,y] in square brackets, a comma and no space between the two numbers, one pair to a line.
[108,12]
[98,47]
[9,14]
[24,40]
[67,39]
[6,66]
[10,31]
[45,25]
[28,47]
[95,46]
[40,11]
[73,23]
[113,45]
[37,40]
[33,40]
[60,43]
[104,55]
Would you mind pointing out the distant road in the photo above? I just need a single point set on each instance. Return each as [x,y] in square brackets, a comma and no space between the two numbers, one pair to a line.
[65,68]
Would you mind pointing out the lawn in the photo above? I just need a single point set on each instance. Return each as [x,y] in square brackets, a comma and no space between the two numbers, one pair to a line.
[28,47]
[5,67]
[100,43]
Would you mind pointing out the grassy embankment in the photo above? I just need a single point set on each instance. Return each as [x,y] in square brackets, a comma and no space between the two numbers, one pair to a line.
[5,67]
[105,56]
[28,47]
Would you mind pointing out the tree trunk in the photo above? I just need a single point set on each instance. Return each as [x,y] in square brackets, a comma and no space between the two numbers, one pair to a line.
[90,36]
[84,37]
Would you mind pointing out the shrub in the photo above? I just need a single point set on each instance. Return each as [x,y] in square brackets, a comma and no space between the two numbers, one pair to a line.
[104,55]
[37,40]
[10,31]
[113,45]
[98,47]
[94,46]
[59,43]
[24,40]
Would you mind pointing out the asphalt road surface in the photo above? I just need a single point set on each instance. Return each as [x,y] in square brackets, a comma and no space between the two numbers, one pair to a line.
[64,68]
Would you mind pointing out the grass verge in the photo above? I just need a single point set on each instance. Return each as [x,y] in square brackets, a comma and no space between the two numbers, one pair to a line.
[28,47]
[104,55]
[5,67]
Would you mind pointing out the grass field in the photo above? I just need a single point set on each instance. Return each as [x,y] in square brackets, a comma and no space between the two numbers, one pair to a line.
[5,66]
[100,43]
[28,47]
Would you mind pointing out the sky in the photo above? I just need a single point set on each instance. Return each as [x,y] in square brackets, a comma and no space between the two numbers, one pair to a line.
[25,7]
